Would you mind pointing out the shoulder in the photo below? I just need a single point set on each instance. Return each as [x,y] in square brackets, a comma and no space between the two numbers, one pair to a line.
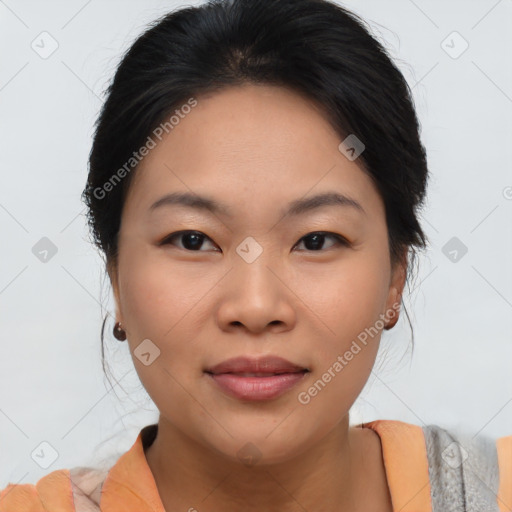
[459,465]
[61,490]
[438,439]
[477,466]
[52,490]
[455,447]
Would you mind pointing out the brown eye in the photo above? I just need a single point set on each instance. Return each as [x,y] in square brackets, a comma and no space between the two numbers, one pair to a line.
[315,241]
[190,240]
[194,240]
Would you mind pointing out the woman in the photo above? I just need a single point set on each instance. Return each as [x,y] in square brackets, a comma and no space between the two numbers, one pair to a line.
[255,180]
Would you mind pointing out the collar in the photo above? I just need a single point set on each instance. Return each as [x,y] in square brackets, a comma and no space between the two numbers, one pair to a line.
[130,484]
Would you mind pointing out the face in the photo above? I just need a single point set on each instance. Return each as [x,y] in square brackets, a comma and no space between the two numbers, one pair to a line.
[251,280]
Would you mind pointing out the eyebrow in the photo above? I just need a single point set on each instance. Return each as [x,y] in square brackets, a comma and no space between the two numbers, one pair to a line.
[295,208]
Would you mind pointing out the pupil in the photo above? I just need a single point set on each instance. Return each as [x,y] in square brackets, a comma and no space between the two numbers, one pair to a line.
[195,244]
[317,241]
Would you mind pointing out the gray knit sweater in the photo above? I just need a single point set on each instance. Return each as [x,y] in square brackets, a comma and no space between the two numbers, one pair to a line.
[463,471]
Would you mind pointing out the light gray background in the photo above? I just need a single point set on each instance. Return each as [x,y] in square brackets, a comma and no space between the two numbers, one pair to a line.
[52,386]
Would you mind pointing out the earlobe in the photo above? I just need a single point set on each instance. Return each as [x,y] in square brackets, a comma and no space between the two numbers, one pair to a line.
[393,312]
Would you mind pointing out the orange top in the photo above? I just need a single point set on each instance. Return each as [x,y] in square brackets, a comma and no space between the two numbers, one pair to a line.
[130,486]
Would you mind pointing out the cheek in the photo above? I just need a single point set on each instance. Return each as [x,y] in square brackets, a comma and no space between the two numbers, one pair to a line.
[345,354]
[163,304]
[347,304]
[158,295]
[346,297]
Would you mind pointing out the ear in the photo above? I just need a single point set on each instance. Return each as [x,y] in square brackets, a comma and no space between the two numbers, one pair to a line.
[396,287]
[114,281]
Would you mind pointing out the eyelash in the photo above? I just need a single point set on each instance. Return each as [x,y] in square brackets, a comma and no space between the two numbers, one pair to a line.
[339,239]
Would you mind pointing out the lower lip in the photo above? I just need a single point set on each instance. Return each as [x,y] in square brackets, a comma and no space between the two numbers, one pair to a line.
[256,388]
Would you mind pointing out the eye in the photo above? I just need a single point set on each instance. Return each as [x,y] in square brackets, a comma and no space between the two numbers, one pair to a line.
[317,238]
[192,240]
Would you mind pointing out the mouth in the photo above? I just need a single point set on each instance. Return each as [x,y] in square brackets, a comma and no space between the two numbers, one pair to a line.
[249,379]
[245,366]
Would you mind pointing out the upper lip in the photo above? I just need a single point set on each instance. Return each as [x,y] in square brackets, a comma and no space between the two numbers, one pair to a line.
[267,364]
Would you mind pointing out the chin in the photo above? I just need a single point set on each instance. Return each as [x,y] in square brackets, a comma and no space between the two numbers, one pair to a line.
[262,443]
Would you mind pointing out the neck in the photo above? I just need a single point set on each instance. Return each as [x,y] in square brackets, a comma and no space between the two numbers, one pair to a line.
[334,474]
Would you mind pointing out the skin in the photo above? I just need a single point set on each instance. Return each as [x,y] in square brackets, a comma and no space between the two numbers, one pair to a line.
[255,148]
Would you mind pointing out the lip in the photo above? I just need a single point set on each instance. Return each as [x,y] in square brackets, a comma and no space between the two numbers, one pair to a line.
[277,376]
[266,364]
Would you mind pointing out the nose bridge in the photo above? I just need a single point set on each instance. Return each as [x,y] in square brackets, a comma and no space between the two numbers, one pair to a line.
[252,263]
[254,280]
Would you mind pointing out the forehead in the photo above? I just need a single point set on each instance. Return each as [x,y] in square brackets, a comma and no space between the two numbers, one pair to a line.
[262,144]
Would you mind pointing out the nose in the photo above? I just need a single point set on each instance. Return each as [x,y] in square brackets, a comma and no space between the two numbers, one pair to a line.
[256,297]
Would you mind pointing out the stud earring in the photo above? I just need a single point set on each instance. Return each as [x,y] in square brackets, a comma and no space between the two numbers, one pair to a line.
[119,333]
